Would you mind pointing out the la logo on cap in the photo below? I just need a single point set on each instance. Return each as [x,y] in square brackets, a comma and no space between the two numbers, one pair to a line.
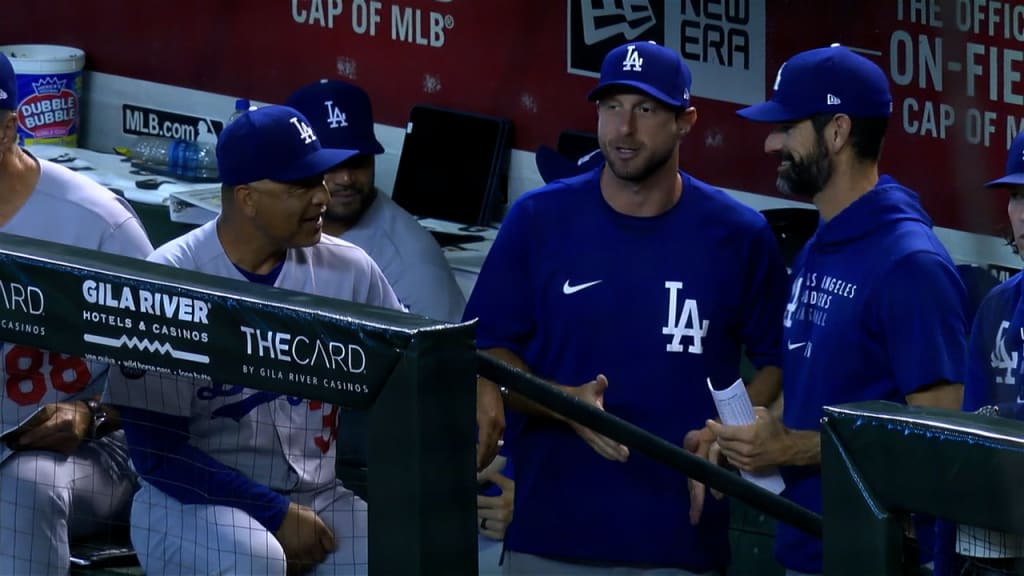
[335,116]
[633,60]
[305,132]
[3,95]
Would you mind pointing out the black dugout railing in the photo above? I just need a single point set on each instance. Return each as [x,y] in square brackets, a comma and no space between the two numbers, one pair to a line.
[642,441]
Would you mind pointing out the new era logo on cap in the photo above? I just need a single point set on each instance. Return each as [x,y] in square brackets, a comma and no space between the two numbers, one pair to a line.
[825,80]
[3,95]
[648,67]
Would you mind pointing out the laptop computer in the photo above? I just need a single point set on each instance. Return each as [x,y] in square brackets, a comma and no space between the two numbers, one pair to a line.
[466,184]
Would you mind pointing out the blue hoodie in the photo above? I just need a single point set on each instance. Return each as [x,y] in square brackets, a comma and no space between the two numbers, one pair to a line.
[876,311]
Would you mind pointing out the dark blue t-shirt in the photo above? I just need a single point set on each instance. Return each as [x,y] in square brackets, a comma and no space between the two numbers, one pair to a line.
[658,305]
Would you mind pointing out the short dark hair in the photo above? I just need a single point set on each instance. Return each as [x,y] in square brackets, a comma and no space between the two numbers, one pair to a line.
[866,134]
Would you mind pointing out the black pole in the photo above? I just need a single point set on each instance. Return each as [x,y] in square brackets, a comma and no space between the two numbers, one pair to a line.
[643,441]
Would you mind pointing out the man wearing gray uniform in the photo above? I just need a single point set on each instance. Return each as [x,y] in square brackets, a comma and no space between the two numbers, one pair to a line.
[342,117]
[64,473]
[236,480]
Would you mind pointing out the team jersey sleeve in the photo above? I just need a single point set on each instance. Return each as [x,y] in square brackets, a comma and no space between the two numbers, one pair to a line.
[501,300]
[128,238]
[765,300]
[430,289]
[165,393]
[161,454]
[379,291]
[922,311]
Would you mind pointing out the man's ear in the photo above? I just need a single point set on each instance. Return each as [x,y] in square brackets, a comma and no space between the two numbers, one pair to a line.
[685,119]
[837,133]
[8,128]
[245,199]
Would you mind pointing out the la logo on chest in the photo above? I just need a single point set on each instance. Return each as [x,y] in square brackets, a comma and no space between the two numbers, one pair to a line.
[683,322]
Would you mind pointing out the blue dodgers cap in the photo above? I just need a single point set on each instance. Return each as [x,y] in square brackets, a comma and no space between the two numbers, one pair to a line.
[554,166]
[646,66]
[831,80]
[1014,165]
[341,114]
[8,84]
[273,143]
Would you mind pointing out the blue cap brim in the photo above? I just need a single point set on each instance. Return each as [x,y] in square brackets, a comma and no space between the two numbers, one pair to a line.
[646,88]
[316,163]
[1015,179]
[552,165]
[373,149]
[769,111]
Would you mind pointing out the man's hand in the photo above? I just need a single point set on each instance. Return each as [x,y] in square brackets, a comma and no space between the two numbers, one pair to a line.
[494,513]
[59,427]
[593,393]
[305,538]
[764,444]
[490,419]
[700,443]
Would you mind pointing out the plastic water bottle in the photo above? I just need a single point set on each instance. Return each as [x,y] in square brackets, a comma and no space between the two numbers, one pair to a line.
[177,157]
[241,107]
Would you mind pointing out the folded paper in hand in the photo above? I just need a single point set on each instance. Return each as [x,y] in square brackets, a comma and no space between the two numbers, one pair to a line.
[735,409]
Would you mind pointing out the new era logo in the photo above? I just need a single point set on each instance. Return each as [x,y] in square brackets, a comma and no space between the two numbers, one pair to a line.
[833,100]
[3,95]
[607,18]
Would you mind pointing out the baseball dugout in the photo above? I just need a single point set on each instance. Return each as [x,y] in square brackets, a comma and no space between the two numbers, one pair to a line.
[416,376]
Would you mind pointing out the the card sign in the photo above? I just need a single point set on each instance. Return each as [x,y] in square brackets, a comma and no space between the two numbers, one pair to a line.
[189,330]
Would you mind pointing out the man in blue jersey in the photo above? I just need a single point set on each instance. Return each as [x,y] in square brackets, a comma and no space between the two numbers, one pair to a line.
[628,286]
[994,383]
[876,309]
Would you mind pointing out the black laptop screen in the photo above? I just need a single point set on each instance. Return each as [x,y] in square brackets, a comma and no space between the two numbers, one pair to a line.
[453,166]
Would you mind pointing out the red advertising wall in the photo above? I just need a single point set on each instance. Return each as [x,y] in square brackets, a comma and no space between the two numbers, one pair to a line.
[955,65]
